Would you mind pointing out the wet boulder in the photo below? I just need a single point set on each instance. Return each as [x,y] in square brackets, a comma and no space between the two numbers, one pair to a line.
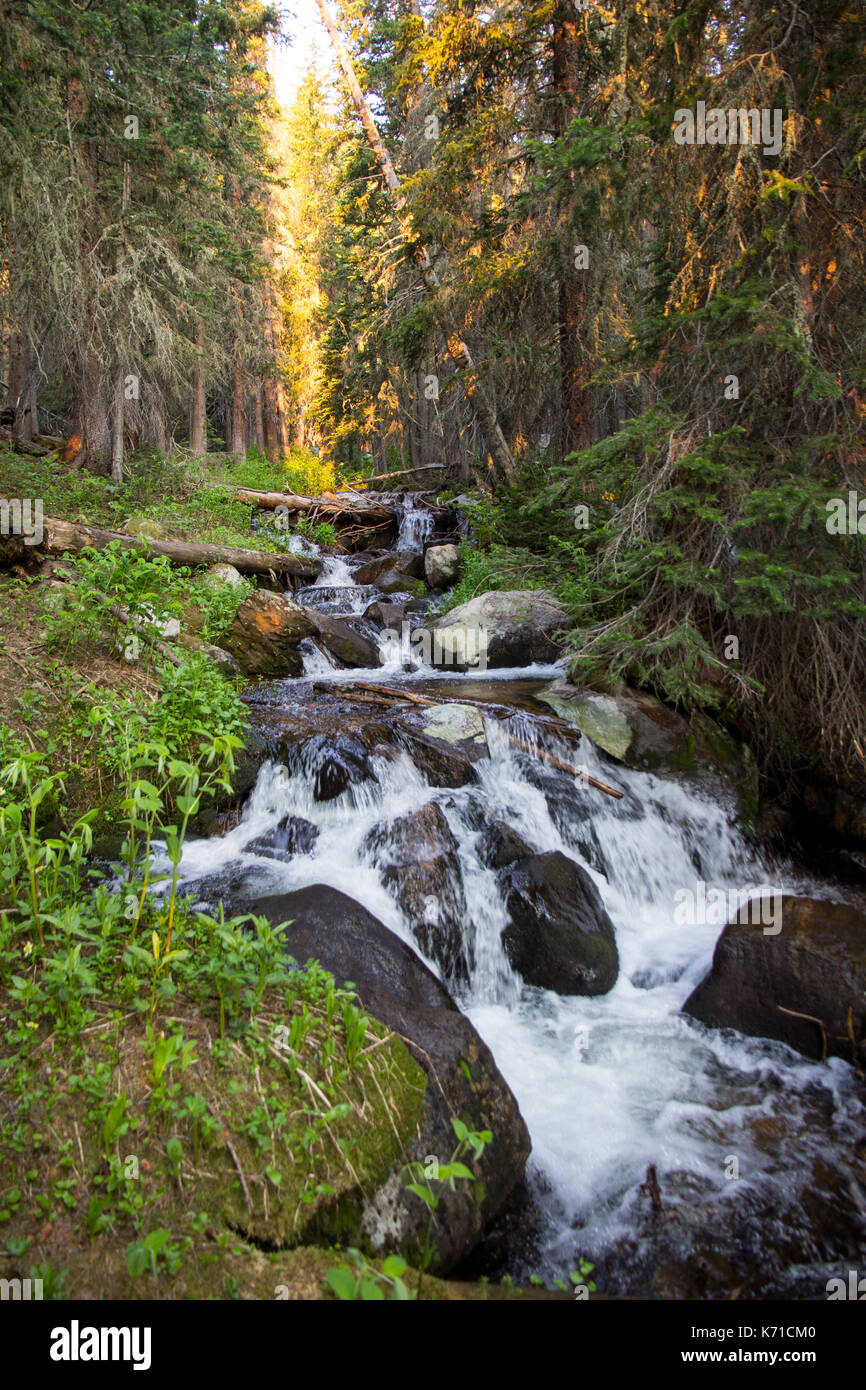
[499,845]
[391,582]
[335,764]
[398,989]
[264,636]
[388,615]
[293,835]
[409,564]
[419,863]
[793,969]
[503,628]
[559,936]
[343,640]
[441,565]
[638,730]
[445,742]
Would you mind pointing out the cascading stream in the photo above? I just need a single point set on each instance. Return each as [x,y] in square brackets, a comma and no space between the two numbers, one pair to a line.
[611,1085]
[671,1155]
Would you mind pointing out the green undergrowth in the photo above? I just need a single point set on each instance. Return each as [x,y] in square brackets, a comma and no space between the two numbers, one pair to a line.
[171,1080]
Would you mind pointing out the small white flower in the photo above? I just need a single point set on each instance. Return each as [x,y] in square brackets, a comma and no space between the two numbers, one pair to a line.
[28,948]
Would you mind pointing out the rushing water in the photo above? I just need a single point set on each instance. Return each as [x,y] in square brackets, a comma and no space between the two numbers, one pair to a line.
[683,1161]
[615,1086]
[416,524]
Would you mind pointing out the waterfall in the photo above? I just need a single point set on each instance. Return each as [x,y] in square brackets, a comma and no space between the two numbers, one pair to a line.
[416,524]
[608,1085]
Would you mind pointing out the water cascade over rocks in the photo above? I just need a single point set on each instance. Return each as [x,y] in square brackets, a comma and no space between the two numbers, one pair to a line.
[684,1160]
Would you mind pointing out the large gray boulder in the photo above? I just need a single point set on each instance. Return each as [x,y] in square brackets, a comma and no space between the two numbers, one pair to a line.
[792,969]
[559,936]
[441,565]
[397,988]
[638,730]
[518,628]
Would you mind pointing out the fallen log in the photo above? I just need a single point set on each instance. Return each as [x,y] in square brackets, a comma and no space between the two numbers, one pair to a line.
[397,473]
[329,504]
[70,537]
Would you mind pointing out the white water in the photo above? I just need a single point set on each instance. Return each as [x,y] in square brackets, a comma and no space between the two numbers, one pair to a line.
[609,1085]
[416,524]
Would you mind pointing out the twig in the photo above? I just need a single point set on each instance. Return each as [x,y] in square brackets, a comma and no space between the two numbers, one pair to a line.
[810,1018]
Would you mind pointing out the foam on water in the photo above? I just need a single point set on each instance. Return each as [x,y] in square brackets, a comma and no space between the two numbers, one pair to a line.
[610,1085]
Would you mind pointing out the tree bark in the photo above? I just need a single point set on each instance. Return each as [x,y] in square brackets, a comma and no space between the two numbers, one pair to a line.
[64,537]
[503,463]
[260,418]
[198,421]
[576,428]
[239,408]
[117,428]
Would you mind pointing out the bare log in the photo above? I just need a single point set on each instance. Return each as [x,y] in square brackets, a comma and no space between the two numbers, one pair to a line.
[330,504]
[69,537]
[398,473]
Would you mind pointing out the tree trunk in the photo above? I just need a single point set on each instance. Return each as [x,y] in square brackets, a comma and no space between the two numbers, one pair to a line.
[117,428]
[67,537]
[198,421]
[260,419]
[503,463]
[575,421]
[239,408]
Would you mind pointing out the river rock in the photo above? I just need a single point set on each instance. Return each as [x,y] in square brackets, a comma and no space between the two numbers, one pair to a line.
[335,764]
[388,615]
[419,863]
[559,936]
[293,835]
[814,964]
[392,582]
[222,574]
[516,625]
[145,526]
[445,742]
[265,634]
[643,733]
[409,564]
[397,988]
[499,845]
[342,640]
[441,565]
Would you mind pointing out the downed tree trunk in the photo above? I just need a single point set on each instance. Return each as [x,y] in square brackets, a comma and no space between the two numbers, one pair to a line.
[397,473]
[330,504]
[63,537]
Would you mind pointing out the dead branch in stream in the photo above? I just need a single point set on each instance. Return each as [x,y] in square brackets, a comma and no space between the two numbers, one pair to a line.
[387,692]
